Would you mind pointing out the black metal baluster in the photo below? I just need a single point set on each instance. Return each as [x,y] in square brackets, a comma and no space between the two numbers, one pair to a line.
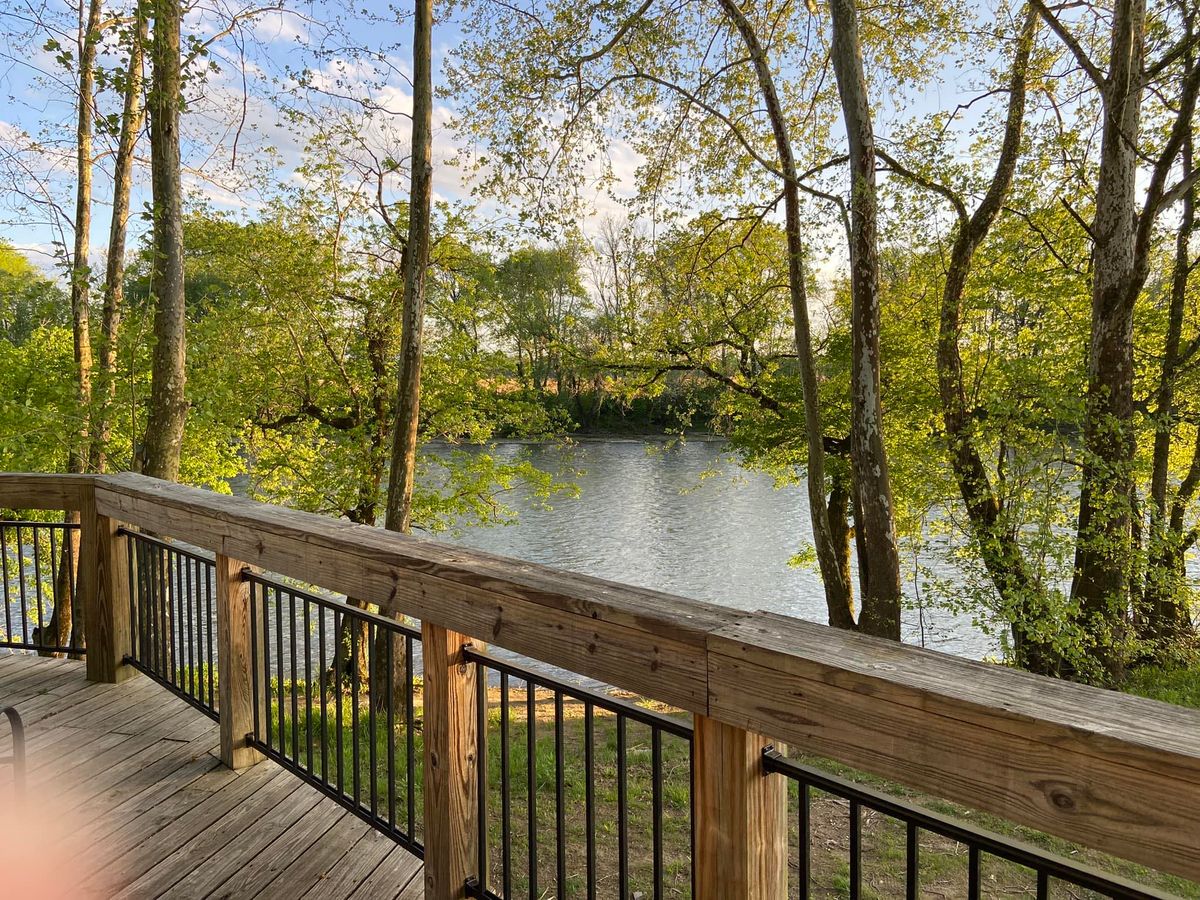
[391,730]
[354,705]
[804,851]
[560,812]
[208,625]
[589,794]
[913,871]
[505,795]
[308,713]
[37,585]
[21,588]
[974,876]
[186,564]
[54,598]
[657,811]
[531,784]
[130,550]
[175,600]
[372,673]
[295,699]
[254,661]
[266,644]
[622,811]
[8,635]
[410,684]
[339,619]
[72,578]
[855,850]
[137,596]
[281,713]
[322,676]
[481,770]
[1043,885]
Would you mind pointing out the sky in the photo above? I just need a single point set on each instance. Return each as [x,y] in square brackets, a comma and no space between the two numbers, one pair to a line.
[233,130]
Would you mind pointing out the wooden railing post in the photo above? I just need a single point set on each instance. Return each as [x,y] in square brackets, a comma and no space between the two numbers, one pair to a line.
[103,583]
[235,688]
[451,773]
[740,816]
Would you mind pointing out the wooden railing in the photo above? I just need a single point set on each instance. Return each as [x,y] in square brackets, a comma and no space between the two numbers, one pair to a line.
[1112,772]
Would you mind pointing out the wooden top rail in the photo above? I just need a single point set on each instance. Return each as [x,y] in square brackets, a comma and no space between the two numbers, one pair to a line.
[22,490]
[1114,772]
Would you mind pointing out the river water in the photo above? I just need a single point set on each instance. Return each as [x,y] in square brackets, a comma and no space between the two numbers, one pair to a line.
[685,518]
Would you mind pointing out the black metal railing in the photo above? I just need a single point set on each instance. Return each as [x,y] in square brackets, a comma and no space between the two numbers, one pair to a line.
[334,690]
[1045,874]
[583,793]
[172,618]
[37,578]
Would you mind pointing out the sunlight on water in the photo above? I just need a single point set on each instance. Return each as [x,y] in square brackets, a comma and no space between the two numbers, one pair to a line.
[647,516]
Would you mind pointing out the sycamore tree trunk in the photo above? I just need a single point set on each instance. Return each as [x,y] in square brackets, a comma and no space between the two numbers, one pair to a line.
[839,594]
[879,557]
[163,442]
[132,117]
[1104,550]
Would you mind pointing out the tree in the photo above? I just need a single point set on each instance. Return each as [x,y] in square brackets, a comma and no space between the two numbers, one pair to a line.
[878,555]
[998,545]
[163,443]
[1122,232]
[132,117]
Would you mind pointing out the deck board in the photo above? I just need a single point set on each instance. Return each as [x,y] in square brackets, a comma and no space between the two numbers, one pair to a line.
[136,768]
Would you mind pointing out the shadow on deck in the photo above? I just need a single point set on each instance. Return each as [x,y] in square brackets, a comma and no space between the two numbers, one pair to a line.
[130,774]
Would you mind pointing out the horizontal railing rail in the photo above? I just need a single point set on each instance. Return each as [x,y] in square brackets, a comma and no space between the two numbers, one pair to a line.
[1111,772]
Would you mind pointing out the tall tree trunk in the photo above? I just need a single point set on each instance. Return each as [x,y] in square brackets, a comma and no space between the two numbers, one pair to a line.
[163,442]
[1165,617]
[114,270]
[879,563]
[839,594]
[416,262]
[1104,546]
[66,614]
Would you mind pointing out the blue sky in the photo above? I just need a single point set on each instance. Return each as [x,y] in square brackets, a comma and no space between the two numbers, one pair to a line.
[235,136]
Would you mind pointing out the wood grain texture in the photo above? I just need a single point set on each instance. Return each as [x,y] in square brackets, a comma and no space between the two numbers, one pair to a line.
[1035,751]
[739,816]
[104,582]
[450,761]
[235,674]
[24,490]
[643,641]
[161,816]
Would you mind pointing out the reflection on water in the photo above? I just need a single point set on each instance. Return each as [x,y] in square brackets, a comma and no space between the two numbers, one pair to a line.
[645,515]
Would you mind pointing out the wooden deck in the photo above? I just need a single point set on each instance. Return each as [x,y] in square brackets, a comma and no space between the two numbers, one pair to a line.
[132,770]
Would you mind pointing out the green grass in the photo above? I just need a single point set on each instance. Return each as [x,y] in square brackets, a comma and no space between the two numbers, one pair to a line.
[1177,684]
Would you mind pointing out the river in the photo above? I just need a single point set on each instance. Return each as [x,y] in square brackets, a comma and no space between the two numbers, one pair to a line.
[687,519]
